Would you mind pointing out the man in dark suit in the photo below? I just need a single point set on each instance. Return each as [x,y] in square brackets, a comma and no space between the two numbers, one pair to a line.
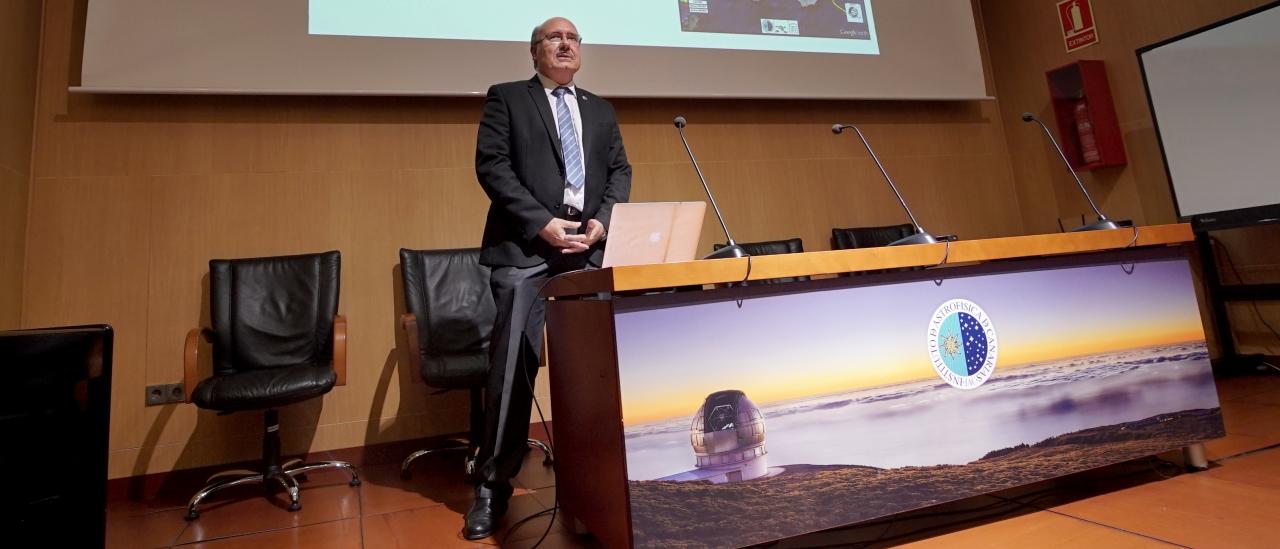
[550,157]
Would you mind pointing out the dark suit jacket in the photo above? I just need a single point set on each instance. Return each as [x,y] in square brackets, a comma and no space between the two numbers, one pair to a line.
[520,166]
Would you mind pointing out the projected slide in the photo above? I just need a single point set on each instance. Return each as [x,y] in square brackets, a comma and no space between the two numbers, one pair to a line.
[808,26]
[818,18]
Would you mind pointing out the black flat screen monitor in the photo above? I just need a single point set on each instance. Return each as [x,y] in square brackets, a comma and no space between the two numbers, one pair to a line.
[1213,94]
[54,421]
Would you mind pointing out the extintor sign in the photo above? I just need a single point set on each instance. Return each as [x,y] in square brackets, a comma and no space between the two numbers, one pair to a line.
[1078,28]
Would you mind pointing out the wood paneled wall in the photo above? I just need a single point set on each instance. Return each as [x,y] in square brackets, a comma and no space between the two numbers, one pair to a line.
[132,195]
[19,50]
[1025,40]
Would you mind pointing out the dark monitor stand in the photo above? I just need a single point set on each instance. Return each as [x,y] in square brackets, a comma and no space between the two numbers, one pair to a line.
[1231,362]
[54,423]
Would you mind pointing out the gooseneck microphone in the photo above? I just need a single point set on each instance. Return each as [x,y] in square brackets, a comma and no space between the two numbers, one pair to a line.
[731,249]
[922,236]
[1102,223]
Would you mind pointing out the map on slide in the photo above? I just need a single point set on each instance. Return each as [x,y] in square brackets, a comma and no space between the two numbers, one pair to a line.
[812,18]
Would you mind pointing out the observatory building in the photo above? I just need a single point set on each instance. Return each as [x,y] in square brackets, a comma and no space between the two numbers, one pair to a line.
[727,434]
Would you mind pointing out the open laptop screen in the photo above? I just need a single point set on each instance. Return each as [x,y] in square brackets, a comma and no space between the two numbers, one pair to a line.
[642,233]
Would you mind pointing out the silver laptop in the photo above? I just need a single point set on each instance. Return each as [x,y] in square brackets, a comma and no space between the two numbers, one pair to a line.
[642,233]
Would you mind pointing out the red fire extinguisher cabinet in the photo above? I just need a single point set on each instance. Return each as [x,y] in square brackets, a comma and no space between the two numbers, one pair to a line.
[1086,81]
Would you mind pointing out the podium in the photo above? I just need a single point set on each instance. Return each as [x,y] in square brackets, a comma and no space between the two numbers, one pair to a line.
[736,415]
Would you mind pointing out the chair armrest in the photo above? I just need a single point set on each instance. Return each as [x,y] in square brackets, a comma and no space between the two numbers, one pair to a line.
[409,323]
[340,348]
[190,360]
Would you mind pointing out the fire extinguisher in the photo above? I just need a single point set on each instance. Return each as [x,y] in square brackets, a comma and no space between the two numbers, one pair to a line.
[1084,129]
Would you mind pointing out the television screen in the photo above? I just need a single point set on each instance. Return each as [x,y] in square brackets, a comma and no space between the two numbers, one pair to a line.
[1212,93]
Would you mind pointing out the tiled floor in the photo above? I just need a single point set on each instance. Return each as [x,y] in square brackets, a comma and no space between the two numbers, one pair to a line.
[1151,503]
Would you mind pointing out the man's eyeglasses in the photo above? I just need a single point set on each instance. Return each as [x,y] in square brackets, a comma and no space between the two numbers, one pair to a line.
[555,39]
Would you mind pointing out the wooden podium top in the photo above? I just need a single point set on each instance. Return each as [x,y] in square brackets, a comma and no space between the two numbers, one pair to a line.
[718,271]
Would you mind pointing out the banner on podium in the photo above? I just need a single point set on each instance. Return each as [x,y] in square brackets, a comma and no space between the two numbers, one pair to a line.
[856,401]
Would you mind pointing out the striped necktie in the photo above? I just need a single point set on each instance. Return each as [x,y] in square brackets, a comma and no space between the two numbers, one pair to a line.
[568,139]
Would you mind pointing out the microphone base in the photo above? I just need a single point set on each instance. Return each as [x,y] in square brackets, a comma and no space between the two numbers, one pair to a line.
[921,237]
[1099,225]
[732,250]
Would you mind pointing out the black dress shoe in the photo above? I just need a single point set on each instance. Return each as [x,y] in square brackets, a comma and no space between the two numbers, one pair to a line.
[482,519]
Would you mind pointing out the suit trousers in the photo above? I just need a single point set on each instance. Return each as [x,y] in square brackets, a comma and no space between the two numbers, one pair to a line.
[514,354]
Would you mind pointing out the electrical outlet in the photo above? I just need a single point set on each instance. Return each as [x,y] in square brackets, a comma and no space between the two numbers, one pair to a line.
[165,394]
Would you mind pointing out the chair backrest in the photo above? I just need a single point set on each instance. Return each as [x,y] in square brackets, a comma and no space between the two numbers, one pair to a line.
[270,312]
[869,237]
[448,291]
[773,247]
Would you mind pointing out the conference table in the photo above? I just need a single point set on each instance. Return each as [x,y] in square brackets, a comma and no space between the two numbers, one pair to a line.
[692,409]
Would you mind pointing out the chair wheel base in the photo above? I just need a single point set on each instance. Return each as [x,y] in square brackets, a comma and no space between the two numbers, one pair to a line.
[288,479]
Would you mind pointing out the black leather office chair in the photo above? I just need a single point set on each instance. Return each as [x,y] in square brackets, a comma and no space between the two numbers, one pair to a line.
[772,247]
[449,317]
[277,340]
[869,237]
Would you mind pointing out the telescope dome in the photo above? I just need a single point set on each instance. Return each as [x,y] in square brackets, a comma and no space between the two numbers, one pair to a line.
[727,434]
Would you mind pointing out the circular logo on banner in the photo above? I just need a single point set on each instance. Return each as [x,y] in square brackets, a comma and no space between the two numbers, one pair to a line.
[962,344]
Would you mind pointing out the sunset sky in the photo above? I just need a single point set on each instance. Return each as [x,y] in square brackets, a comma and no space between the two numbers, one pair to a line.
[798,345]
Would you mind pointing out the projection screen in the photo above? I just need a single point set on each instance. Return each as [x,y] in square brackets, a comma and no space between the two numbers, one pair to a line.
[854,49]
